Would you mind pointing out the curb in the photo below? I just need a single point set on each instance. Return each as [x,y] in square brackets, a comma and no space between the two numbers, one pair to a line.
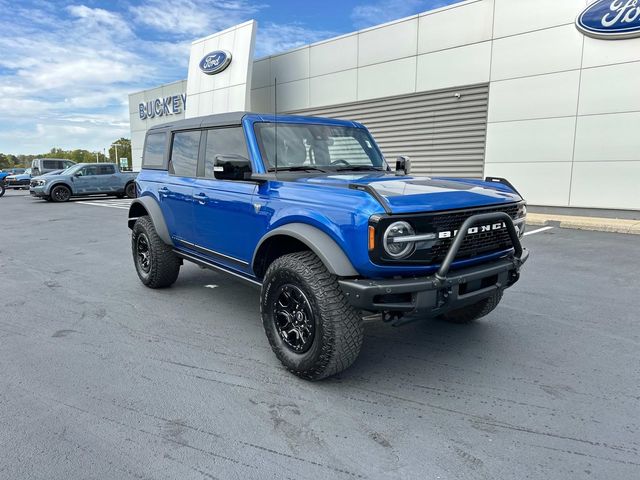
[597,224]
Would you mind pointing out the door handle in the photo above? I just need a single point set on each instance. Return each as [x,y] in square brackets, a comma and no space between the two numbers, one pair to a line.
[200,197]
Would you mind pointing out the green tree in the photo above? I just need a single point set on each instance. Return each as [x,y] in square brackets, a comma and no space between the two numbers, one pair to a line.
[124,151]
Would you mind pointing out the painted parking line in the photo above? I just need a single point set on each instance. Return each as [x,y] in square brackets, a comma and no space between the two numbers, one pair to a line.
[121,204]
[543,229]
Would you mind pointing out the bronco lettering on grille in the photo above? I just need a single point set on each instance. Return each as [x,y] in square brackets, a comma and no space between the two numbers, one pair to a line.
[473,230]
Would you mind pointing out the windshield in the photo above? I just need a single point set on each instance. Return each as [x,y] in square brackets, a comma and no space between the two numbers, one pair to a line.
[318,147]
[71,170]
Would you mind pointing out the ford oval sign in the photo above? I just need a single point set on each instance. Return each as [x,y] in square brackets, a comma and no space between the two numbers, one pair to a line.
[611,19]
[215,62]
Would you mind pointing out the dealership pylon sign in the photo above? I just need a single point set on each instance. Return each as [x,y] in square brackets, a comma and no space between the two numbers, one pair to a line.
[611,19]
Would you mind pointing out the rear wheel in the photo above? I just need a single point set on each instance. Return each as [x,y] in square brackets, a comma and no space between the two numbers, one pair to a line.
[60,193]
[130,190]
[156,263]
[311,327]
[473,312]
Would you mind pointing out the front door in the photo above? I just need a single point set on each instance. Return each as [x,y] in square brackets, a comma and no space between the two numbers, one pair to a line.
[226,220]
[87,180]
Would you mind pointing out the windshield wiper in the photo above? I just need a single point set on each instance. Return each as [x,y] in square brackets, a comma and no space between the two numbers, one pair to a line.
[360,168]
[299,168]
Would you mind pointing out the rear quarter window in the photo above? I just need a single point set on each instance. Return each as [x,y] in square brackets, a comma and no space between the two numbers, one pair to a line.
[153,156]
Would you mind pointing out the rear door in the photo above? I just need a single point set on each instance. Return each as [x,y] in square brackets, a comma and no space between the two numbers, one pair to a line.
[225,218]
[176,194]
[109,181]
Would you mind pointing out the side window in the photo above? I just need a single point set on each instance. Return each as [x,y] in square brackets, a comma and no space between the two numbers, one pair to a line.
[59,165]
[184,153]
[106,170]
[50,164]
[90,170]
[226,155]
[153,156]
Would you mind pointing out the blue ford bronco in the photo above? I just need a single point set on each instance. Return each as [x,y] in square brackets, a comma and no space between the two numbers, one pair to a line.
[309,210]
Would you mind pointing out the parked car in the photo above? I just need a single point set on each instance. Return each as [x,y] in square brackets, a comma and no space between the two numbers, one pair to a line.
[20,180]
[10,171]
[85,179]
[311,212]
[40,166]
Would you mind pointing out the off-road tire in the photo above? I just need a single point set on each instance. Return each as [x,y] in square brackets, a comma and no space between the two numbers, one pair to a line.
[338,327]
[60,193]
[473,312]
[130,190]
[164,263]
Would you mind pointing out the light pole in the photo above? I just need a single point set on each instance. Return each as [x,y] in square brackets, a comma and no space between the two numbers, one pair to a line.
[116,145]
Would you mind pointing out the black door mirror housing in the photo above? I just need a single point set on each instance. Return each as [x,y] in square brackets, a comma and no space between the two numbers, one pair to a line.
[231,167]
[403,166]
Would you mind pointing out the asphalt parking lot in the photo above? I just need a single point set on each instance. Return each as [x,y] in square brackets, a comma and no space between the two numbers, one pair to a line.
[103,378]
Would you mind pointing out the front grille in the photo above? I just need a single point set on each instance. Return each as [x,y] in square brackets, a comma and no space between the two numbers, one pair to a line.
[475,244]
[434,251]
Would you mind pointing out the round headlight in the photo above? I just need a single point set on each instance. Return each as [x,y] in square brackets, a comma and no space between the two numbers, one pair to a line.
[522,210]
[394,248]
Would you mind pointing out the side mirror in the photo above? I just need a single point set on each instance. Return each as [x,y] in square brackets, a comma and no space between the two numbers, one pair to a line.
[403,166]
[231,167]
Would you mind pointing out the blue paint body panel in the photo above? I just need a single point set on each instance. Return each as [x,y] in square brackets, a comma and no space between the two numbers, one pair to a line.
[224,221]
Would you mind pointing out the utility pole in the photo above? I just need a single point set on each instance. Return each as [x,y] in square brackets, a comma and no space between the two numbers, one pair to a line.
[116,145]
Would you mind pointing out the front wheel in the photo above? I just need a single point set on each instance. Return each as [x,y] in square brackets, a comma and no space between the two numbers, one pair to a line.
[311,327]
[156,263]
[60,193]
[473,312]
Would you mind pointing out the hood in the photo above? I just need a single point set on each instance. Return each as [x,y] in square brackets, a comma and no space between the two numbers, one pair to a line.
[409,194]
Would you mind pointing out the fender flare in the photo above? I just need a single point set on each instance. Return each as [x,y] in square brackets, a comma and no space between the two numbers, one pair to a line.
[153,210]
[56,183]
[319,242]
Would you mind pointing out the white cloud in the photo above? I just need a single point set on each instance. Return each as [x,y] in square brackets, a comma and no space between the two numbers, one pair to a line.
[199,17]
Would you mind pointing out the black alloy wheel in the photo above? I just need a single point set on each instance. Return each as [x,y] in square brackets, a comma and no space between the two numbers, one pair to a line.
[60,194]
[293,318]
[143,253]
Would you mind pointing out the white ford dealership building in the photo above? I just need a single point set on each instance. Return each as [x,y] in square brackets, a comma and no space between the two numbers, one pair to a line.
[530,90]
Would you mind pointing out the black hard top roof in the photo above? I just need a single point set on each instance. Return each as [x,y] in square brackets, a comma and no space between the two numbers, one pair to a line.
[217,120]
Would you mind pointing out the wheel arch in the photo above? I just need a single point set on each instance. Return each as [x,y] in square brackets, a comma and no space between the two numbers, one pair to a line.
[295,237]
[148,206]
[58,184]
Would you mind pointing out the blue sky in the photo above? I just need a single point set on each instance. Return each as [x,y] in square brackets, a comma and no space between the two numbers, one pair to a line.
[67,67]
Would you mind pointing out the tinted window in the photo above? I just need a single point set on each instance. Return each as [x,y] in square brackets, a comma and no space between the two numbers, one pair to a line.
[106,170]
[90,170]
[52,164]
[153,156]
[226,152]
[184,153]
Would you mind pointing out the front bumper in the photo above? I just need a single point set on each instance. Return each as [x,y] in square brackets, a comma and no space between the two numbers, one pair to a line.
[38,191]
[436,294]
